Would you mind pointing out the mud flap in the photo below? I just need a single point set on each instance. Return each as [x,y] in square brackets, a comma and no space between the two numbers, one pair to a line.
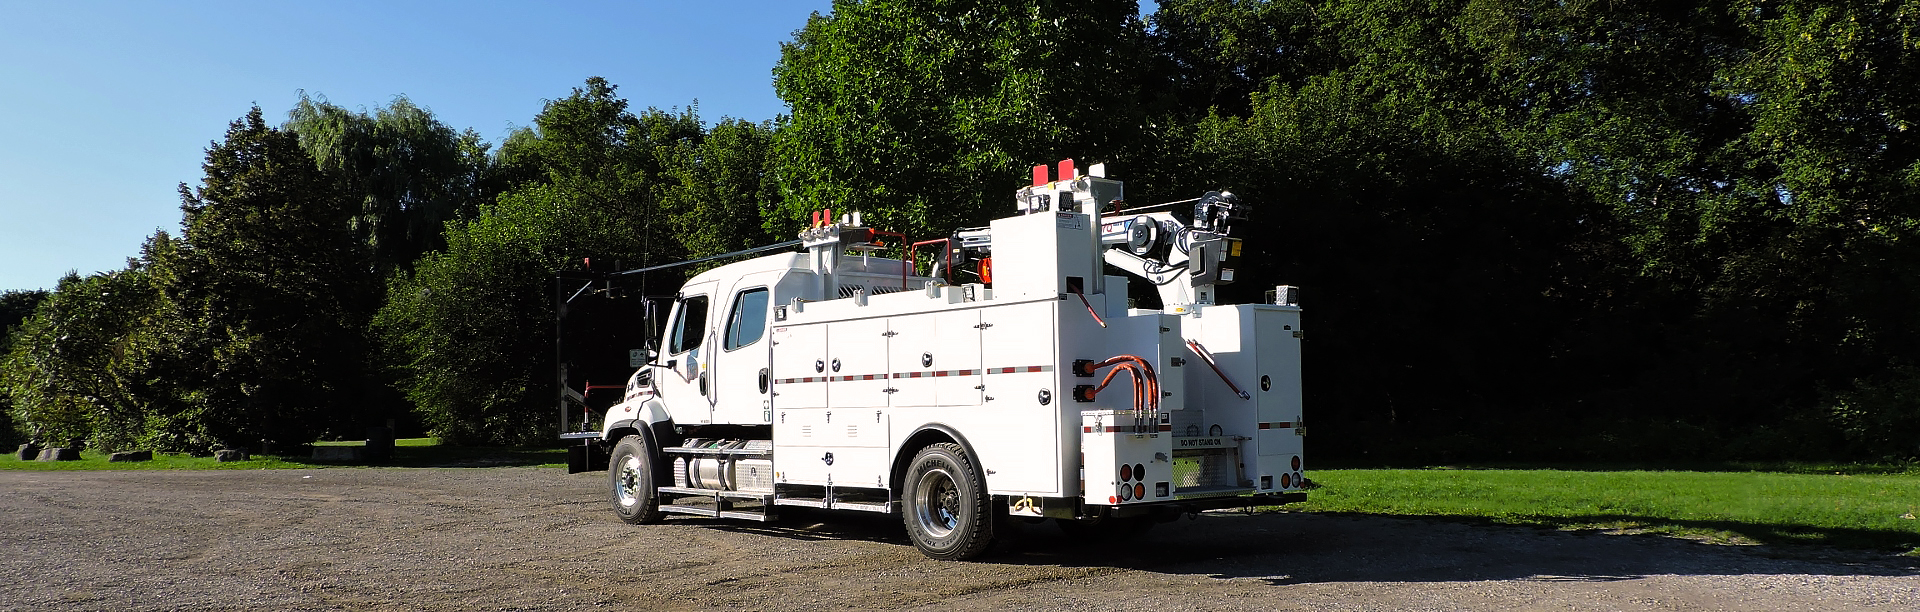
[586,457]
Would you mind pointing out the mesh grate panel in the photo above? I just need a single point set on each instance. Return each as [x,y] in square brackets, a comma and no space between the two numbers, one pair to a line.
[1205,469]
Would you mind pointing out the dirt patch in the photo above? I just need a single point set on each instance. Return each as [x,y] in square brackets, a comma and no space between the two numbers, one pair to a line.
[533,538]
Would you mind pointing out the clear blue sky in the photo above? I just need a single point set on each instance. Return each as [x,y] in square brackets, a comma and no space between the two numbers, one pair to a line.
[108,106]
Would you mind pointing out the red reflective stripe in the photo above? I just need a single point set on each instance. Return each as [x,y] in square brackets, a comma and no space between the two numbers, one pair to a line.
[1020,369]
[1164,427]
[1120,429]
[1266,425]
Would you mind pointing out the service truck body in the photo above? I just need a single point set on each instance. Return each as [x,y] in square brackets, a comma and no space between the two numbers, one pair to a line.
[833,379]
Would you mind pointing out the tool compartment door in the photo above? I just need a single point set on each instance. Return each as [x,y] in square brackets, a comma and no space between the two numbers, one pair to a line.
[800,366]
[913,352]
[857,364]
[956,360]
[1017,351]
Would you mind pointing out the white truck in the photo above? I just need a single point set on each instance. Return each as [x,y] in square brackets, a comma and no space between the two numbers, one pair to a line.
[982,392]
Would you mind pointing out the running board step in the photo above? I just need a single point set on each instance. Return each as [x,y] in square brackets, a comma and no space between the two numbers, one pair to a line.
[886,507]
[759,496]
[806,502]
[716,452]
[716,513]
[679,509]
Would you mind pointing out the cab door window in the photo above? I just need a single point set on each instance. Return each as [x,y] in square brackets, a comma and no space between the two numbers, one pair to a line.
[688,325]
[749,319]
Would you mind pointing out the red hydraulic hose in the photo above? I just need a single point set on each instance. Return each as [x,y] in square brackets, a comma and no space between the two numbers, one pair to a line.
[1096,316]
[1146,385]
[1208,357]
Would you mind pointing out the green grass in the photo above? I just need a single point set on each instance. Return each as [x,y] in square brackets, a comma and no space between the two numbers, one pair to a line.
[397,442]
[407,452]
[1872,511]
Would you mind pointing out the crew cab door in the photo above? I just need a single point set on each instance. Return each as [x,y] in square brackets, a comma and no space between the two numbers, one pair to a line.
[741,360]
[682,373]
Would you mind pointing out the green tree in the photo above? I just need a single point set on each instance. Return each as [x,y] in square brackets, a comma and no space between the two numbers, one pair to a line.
[924,114]
[272,292]
[720,190]
[63,371]
[16,306]
[411,173]
[473,324]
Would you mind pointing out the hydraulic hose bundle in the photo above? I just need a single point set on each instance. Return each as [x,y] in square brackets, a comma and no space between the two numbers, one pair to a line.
[1146,385]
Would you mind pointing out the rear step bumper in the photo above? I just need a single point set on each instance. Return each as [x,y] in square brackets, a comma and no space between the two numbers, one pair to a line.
[1208,503]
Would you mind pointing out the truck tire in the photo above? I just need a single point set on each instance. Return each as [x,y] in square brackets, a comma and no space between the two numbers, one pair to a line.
[630,474]
[947,510]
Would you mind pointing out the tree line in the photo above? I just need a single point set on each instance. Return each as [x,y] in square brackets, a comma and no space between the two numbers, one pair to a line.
[1525,229]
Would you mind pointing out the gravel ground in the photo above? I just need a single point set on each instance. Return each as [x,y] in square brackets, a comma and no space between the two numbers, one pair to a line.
[526,538]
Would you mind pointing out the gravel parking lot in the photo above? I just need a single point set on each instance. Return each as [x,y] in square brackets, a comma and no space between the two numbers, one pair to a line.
[538,539]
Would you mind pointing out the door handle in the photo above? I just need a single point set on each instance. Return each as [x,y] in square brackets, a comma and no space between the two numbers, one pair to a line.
[763,380]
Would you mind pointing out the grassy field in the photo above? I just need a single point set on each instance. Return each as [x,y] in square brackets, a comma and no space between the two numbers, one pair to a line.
[407,452]
[1874,511]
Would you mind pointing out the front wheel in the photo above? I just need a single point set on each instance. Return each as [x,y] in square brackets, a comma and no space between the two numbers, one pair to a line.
[946,506]
[630,472]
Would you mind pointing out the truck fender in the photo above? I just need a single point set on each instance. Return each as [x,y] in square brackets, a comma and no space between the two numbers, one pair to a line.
[648,414]
[921,437]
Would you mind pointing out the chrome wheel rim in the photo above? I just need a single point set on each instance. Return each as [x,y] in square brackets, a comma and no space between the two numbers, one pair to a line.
[938,503]
[626,485]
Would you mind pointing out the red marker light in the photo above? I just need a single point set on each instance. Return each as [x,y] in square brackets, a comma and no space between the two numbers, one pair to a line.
[1039,175]
[1126,473]
[1066,170]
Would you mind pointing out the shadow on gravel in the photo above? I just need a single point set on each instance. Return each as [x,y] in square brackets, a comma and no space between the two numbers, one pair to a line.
[1865,541]
[814,525]
[1300,548]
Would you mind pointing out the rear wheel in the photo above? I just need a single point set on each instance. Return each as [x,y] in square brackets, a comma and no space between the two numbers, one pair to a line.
[630,473]
[946,506]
